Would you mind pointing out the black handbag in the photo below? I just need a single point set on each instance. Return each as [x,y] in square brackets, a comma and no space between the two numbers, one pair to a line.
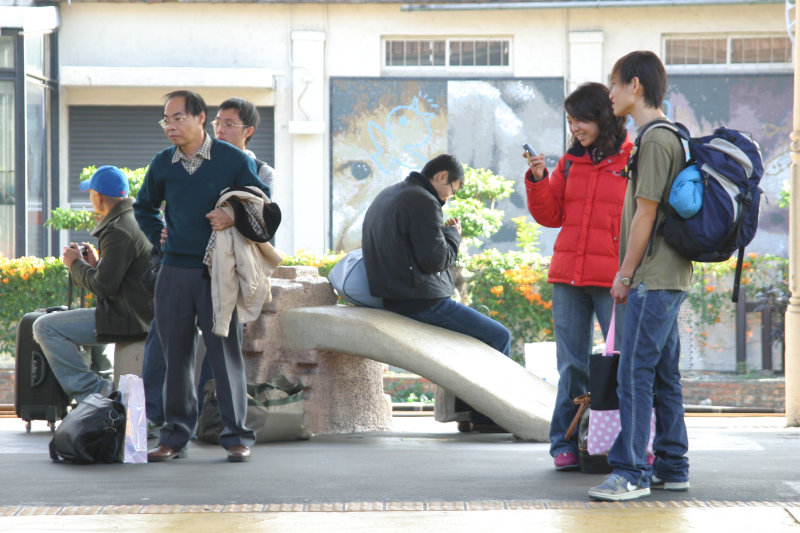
[93,432]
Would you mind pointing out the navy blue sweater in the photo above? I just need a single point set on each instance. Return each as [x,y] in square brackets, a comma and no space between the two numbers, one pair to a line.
[188,199]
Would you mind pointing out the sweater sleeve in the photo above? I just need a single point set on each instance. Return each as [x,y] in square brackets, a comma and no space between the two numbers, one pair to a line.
[546,197]
[147,207]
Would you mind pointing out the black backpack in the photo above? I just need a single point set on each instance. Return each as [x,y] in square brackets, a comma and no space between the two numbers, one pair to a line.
[730,165]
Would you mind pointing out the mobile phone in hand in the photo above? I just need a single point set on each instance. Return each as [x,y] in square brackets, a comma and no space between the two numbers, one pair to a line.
[528,148]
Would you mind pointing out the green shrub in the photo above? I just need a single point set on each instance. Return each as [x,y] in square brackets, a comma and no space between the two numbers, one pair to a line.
[62,218]
[26,284]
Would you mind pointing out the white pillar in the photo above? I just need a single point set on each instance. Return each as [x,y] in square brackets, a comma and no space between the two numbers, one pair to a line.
[792,327]
[585,58]
[307,127]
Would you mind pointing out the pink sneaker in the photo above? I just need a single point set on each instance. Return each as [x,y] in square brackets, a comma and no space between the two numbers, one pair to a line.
[566,461]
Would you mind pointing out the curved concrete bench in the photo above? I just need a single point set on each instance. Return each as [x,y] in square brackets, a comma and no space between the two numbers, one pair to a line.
[483,377]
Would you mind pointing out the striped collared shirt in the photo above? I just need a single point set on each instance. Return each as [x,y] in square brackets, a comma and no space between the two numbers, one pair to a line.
[193,163]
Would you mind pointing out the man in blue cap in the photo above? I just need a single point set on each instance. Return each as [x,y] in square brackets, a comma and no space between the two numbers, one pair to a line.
[123,310]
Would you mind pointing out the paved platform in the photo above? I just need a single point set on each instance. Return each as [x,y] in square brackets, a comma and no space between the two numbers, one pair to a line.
[744,472]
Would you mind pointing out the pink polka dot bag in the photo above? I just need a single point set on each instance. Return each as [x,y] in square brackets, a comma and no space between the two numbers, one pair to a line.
[604,423]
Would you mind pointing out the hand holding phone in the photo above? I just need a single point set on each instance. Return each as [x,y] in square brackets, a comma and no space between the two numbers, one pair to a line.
[527,147]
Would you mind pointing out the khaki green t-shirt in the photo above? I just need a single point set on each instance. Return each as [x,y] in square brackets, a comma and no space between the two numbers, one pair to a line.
[660,159]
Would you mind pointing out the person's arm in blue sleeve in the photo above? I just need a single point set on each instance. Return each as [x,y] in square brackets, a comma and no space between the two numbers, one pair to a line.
[147,208]
[248,175]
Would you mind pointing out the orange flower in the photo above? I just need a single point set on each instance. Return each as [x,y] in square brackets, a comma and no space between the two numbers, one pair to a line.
[497,290]
[710,288]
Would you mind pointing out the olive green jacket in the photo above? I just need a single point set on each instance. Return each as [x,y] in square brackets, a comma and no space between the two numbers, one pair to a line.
[123,306]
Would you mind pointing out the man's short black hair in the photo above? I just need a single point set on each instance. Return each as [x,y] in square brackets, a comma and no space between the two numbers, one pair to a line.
[194,102]
[646,66]
[246,110]
[454,168]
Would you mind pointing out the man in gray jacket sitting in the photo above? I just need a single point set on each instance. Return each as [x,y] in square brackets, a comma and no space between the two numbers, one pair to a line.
[123,305]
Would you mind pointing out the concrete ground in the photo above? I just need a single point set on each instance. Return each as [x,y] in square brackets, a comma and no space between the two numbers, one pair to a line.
[745,476]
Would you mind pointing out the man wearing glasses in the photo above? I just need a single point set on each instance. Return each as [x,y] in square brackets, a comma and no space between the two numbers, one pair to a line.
[236,122]
[408,252]
[189,176]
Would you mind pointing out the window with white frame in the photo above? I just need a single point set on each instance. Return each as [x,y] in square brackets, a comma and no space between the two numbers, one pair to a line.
[757,51]
[453,53]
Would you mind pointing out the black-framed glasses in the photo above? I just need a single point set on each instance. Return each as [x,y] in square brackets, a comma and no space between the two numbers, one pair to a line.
[177,120]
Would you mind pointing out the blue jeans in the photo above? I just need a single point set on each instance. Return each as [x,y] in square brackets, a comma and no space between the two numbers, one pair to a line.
[452,315]
[648,377]
[154,368]
[60,334]
[574,309]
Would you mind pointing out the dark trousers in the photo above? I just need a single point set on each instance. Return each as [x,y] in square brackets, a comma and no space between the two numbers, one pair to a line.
[183,302]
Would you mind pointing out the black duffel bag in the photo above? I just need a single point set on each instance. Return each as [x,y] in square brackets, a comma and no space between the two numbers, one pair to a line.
[93,432]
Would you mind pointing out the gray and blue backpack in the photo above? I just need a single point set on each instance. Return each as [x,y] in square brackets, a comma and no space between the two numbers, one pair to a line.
[730,167]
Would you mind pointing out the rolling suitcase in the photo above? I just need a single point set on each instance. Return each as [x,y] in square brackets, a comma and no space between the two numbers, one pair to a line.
[38,395]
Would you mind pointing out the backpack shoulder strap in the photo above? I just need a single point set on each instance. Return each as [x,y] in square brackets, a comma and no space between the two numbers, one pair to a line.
[567,165]
[675,127]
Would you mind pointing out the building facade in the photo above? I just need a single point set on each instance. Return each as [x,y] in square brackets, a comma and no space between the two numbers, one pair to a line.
[353,94]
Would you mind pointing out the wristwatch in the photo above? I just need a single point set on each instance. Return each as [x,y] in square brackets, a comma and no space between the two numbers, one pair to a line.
[627,282]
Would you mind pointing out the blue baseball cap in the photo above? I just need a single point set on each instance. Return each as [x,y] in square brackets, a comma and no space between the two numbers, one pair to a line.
[108,180]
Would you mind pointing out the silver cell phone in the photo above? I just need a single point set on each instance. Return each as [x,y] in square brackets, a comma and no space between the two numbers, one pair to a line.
[527,147]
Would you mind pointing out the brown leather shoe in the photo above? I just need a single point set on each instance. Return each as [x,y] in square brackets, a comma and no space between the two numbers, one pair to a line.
[238,454]
[163,453]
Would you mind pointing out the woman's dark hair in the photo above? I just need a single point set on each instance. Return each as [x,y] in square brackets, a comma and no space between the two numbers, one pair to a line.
[590,103]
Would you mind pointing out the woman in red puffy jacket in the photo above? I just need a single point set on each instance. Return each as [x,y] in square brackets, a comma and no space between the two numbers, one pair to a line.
[582,196]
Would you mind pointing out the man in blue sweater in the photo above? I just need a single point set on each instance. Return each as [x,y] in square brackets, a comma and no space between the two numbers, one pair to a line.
[189,176]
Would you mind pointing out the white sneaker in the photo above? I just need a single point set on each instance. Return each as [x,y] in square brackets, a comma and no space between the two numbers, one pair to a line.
[616,488]
[656,483]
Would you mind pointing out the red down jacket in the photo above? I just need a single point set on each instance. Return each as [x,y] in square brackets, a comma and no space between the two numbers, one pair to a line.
[587,206]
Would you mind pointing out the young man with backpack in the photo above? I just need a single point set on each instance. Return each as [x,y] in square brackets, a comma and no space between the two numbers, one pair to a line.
[652,282]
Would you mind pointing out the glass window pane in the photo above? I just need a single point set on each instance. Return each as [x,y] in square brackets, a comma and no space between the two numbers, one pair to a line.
[425,53]
[781,50]
[455,53]
[707,51]
[765,50]
[720,51]
[505,54]
[412,53]
[438,53]
[676,52]
[692,51]
[481,53]
[467,53]
[7,195]
[6,51]
[737,51]
[37,154]
[34,54]
[496,53]
[398,53]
